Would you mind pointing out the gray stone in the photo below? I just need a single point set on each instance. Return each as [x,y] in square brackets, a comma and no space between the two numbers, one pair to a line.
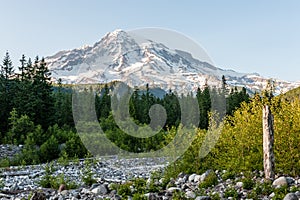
[290,196]
[272,195]
[197,178]
[101,189]
[192,177]
[172,189]
[281,181]
[64,192]
[239,184]
[290,180]
[203,198]
[205,174]
[190,194]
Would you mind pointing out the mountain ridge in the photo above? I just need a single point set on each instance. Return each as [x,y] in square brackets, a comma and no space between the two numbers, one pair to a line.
[119,56]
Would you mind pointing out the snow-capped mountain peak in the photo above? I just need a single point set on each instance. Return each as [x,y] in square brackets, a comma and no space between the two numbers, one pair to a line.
[120,56]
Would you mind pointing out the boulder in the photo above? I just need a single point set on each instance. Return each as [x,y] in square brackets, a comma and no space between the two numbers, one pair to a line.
[190,195]
[281,181]
[290,196]
[101,189]
[192,177]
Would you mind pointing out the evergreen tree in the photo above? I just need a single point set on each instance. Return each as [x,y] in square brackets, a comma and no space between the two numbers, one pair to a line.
[204,101]
[43,103]
[22,69]
[6,91]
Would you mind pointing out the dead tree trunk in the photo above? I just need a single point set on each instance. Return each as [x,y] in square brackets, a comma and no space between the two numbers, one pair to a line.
[268,143]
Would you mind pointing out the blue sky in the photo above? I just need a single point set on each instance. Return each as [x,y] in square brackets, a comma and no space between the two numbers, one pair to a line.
[246,36]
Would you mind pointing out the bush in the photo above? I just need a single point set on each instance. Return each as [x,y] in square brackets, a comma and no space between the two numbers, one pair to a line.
[280,192]
[124,190]
[231,192]
[228,175]
[47,179]
[209,181]
[140,185]
[138,196]
[88,174]
[4,162]
[248,183]
[263,188]
[49,150]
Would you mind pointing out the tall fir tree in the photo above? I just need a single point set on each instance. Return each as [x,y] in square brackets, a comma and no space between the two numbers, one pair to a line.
[43,102]
[6,91]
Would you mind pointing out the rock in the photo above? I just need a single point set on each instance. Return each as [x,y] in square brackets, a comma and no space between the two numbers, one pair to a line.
[64,192]
[203,198]
[190,194]
[290,196]
[197,178]
[192,177]
[172,189]
[290,180]
[205,174]
[116,197]
[101,189]
[281,181]
[38,196]
[85,191]
[239,184]
[151,196]
[272,195]
[62,187]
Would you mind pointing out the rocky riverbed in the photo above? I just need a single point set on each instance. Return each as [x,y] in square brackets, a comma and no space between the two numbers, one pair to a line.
[138,178]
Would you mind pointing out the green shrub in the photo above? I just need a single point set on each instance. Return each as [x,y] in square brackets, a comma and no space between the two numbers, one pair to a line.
[248,183]
[280,192]
[63,159]
[88,174]
[49,150]
[47,179]
[124,190]
[178,195]
[252,195]
[140,185]
[231,192]
[263,188]
[4,162]
[215,196]
[209,181]
[228,175]
[138,196]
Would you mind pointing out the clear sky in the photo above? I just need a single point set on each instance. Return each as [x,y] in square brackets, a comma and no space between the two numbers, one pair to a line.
[246,36]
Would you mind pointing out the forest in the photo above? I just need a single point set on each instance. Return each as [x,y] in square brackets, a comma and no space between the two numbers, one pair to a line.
[37,113]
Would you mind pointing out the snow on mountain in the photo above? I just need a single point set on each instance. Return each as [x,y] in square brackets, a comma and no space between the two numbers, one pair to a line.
[118,56]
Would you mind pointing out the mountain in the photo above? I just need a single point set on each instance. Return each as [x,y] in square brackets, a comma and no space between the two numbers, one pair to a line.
[118,56]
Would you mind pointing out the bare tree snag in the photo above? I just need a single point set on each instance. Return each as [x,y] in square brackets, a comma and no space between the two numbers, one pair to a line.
[268,143]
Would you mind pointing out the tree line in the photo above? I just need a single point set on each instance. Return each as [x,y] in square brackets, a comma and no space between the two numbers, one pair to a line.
[38,113]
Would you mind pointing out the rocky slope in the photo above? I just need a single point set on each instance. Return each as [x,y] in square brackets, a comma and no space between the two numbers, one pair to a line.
[120,178]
